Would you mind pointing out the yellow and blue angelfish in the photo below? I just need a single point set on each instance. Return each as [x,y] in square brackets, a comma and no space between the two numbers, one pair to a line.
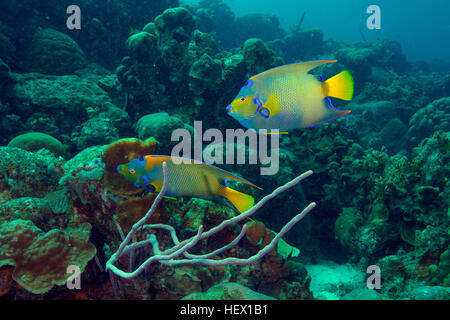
[288,97]
[186,179]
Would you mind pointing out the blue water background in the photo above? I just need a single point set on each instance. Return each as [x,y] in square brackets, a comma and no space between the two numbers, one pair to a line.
[422,27]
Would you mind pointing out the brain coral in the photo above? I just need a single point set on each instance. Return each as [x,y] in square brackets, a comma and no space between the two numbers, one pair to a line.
[41,259]
[53,52]
[34,141]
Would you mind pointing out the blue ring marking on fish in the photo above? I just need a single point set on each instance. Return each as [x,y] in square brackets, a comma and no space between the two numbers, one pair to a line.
[259,103]
[145,179]
[321,77]
[136,185]
[265,112]
[118,167]
[228,107]
[248,84]
[141,160]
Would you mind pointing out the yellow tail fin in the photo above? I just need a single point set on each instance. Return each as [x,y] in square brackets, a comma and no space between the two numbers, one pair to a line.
[241,201]
[340,86]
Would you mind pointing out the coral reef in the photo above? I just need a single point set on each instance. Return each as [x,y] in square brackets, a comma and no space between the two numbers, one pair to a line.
[27,174]
[267,246]
[71,101]
[386,211]
[77,103]
[34,141]
[53,52]
[41,260]
[259,57]
[299,45]
[428,120]
[123,151]
[227,291]
[157,125]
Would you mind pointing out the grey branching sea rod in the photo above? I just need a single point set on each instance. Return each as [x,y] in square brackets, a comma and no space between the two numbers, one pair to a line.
[178,255]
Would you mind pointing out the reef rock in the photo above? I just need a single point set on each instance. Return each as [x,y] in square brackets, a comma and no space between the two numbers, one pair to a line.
[428,120]
[55,53]
[160,126]
[228,291]
[34,141]
[27,174]
[142,47]
[258,57]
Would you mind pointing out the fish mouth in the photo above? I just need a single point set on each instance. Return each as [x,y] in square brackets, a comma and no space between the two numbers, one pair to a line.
[233,113]
[230,111]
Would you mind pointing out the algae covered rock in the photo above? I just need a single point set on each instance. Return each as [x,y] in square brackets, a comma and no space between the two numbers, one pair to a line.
[228,291]
[160,126]
[97,131]
[34,141]
[37,210]
[41,259]
[430,293]
[53,52]
[142,47]
[28,174]
[362,294]
[175,24]
[301,45]
[205,73]
[265,26]
[428,120]
[65,97]
[330,281]
[174,28]
[258,57]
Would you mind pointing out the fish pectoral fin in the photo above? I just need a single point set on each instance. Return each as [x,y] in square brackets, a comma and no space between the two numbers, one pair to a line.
[272,105]
[340,86]
[158,185]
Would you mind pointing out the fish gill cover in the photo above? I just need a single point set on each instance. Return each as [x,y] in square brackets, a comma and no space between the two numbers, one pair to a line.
[89,86]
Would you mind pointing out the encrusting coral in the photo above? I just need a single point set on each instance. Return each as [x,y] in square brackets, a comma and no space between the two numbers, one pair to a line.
[41,260]
[123,151]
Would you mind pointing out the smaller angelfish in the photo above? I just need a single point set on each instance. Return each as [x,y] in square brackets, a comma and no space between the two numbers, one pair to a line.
[189,179]
[288,97]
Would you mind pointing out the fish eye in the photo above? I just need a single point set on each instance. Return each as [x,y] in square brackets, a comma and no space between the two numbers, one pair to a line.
[132,171]
[243,99]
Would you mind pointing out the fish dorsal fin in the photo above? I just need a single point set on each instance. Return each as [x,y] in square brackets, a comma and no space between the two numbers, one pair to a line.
[301,67]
